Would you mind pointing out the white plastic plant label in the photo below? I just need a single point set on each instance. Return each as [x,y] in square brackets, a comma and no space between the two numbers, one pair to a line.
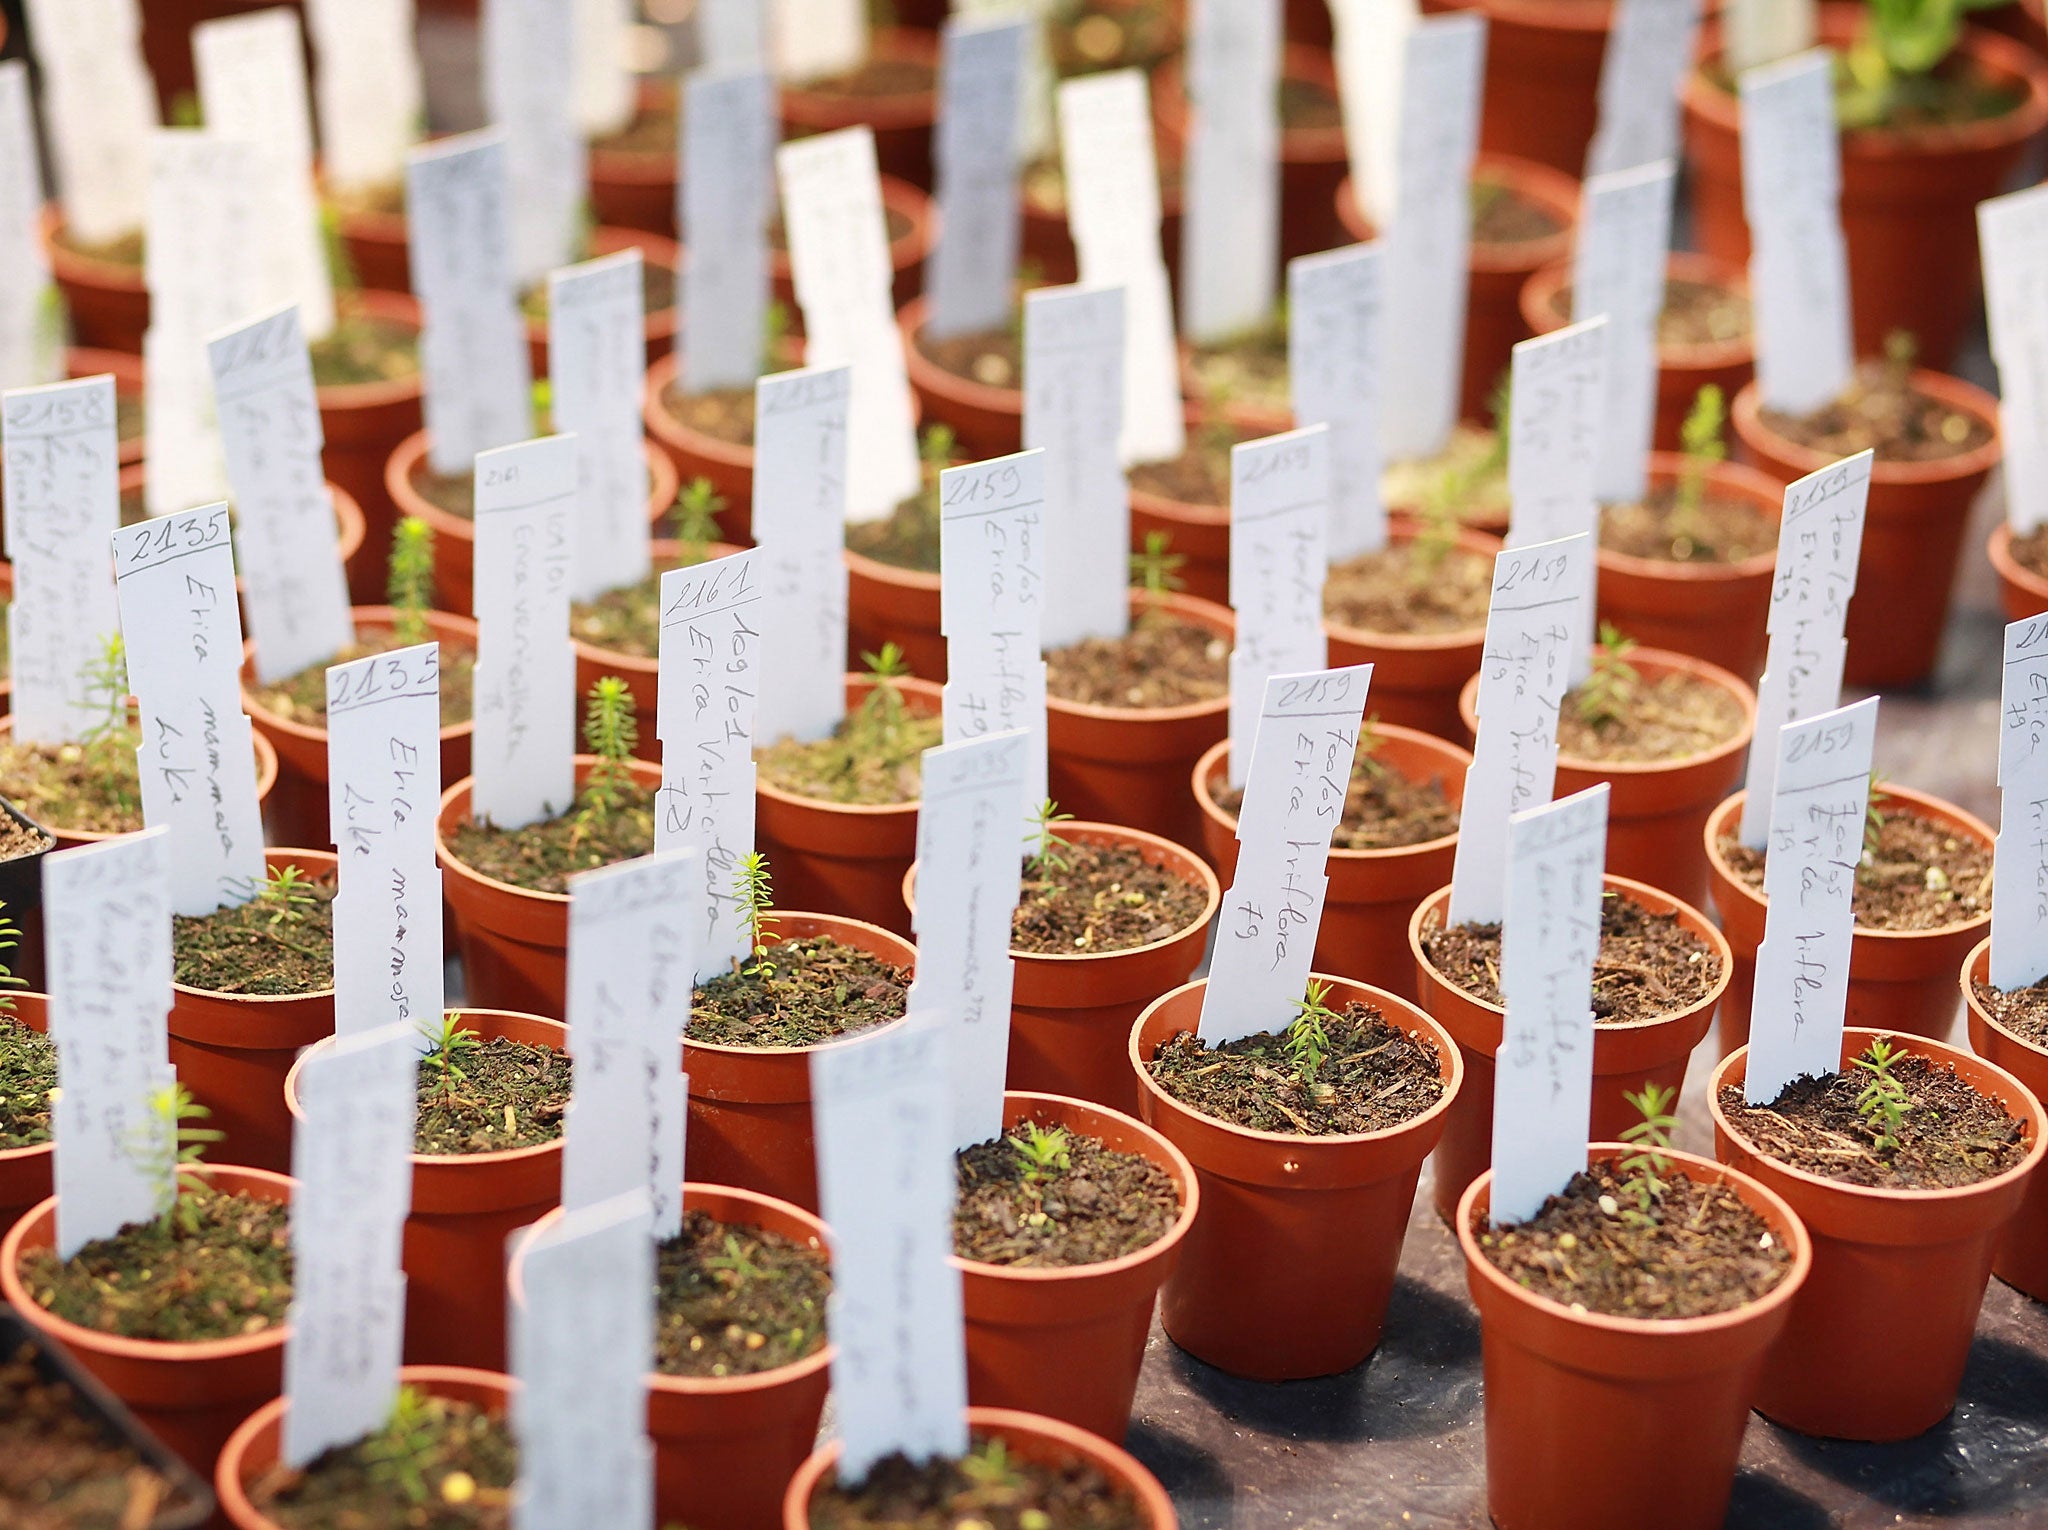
[724,204]
[1230,228]
[1369,43]
[100,105]
[1335,333]
[597,369]
[1073,410]
[2019,886]
[815,38]
[1034,104]
[1550,935]
[1818,807]
[31,311]
[1618,271]
[2012,231]
[529,87]
[1649,49]
[733,34]
[605,86]
[1757,32]
[1554,445]
[800,530]
[1279,536]
[970,286]
[369,93]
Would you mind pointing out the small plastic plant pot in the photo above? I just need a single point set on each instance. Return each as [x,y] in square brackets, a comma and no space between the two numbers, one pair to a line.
[1879,1336]
[987,420]
[107,301]
[2022,1257]
[1130,765]
[379,246]
[1070,1013]
[298,807]
[1657,809]
[71,839]
[1372,893]
[25,1172]
[725,1447]
[188,1393]
[233,1050]
[902,203]
[1626,1058]
[1899,980]
[845,858]
[728,466]
[1027,1437]
[2021,592]
[1289,1225]
[1068,1342]
[1199,535]
[363,423]
[903,121]
[887,603]
[464,1207]
[750,1107]
[253,1450]
[1611,1423]
[658,326]
[514,941]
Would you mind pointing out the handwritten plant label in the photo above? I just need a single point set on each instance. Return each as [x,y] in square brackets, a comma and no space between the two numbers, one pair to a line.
[63,503]
[370,97]
[1279,536]
[1230,231]
[724,204]
[1618,271]
[2019,886]
[1368,46]
[1113,212]
[711,621]
[1822,792]
[286,540]
[473,355]
[1532,632]
[1554,447]
[1550,935]
[733,34]
[31,313]
[107,935]
[526,512]
[352,1163]
[800,530]
[1334,337]
[839,256]
[815,38]
[383,788]
[974,268]
[630,970]
[1798,264]
[597,369]
[529,60]
[100,105]
[582,1348]
[2013,233]
[1073,409]
[1649,48]
[175,580]
[885,1188]
[1757,32]
[604,72]
[1293,800]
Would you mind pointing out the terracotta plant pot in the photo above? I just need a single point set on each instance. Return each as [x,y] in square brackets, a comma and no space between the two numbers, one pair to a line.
[636,188]
[1625,1057]
[1372,893]
[1289,1225]
[190,1394]
[728,466]
[902,122]
[1129,765]
[1068,1343]
[71,839]
[889,604]
[1542,88]
[2021,591]
[987,421]
[363,424]
[1912,533]
[1899,980]
[1028,1438]
[107,300]
[1199,534]
[913,230]
[25,1172]
[2022,1257]
[659,325]
[455,535]
[725,1447]
[750,1107]
[1878,1254]
[253,1449]
[1069,1014]
[839,857]
[464,1208]
[514,942]
[379,246]
[1909,196]
[1608,1423]
[1657,809]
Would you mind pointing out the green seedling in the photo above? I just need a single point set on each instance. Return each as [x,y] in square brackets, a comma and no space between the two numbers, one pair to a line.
[610,731]
[1891,65]
[881,710]
[752,887]
[1873,822]
[1047,848]
[1043,1152]
[169,1151]
[734,1262]
[409,580]
[287,893]
[695,519]
[1884,1102]
[1608,690]
[988,1466]
[1365,756]
[540,397]
[1704,438]
[774,332]
[1156,570]
[341,267]
[1651,1135]
[10,938]
[1308,1041]
[398,1454]
[447,1044]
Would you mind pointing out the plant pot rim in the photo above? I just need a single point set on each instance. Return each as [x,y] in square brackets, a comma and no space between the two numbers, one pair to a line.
[11,1158]
[1979,957]
[374,618]
[1738,479]
[315,862]
[2009,568]
[266,778]
[1549,189]
[1402,526]
[648,774]
[914,580]
[658,421]
[647,167]
[394,308]
[925,691]
[1219,619]
[928,375]
[118,275]
[1299,62]
[638,666]
[796,923]
[910,203]
[1541,289]
[897,109]
[1745,413]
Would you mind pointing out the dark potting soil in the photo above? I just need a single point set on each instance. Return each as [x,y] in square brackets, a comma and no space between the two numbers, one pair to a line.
[725,414]
[2030,550]
[1407,588]
[657,291]
[364,349]
[1949,1136]
[876,78]
[2023,1011]
[1079,1202]
[818,989]
[1921,875]
[1373,1076]
[991,1488]
[1668,718]
[1308,106]
[1648,965]
[1714,531]
[908,536]
[732,1300]
[1249,368]
[302,698]
[230,1275]
[1094,898]
[1694,313]
[1882,410]
[505,1094]
[452,492]
[1093,35]
[873,758]
[58,1469]
[541,857]
[75,786]
[1200,475]
[628,620]
[28,1074]
[1695,1251]
[259,947]
[1502,215]
[1383,809]
[1163,661]
[18,839]
[438,1464]
[994,357]
[1471,460]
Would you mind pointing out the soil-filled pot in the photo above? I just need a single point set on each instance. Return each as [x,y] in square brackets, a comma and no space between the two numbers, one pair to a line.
[1542,89]
[190,1394]
[1596,1422]
[725,1447]
[902,116]
[1625,1057]
[1880,1333]
[1130,765]
[1198,534]
[514,942]
[910,223]
[987,420]
[1909,195]
[106,300]
[1289,1224]
[464,1208]
[1067,1342]
[728,466]
[1912,532]
[887,603]
[2021,591]
[25,1172]
[1026,1437]
[634,186]
[1657,809]
[1372,893]
[750,1107]
[378,241]
[658,326]
[2022,1257]
[1899,980]
[363,423]
[846,858]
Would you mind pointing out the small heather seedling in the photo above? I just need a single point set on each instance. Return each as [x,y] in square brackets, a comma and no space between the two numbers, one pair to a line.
[695,518]
[734,1262]
[1437,533]
[1873,822]
[1156,570]
[1891,64]
[774,331]
[881,710]
[752,887]
[446,1044]
[1308,1042]
[610,730]
[1884,1101]
[1607,691]
[1704,439]
[341,268]
[1046,847]
[1042,1152]
[409,581]
[1651,1135]
[287,892]
[10,938]
[988,1466]
[168,1151]
[399,1454]
[540,397]
[1365,755]
[105,680]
